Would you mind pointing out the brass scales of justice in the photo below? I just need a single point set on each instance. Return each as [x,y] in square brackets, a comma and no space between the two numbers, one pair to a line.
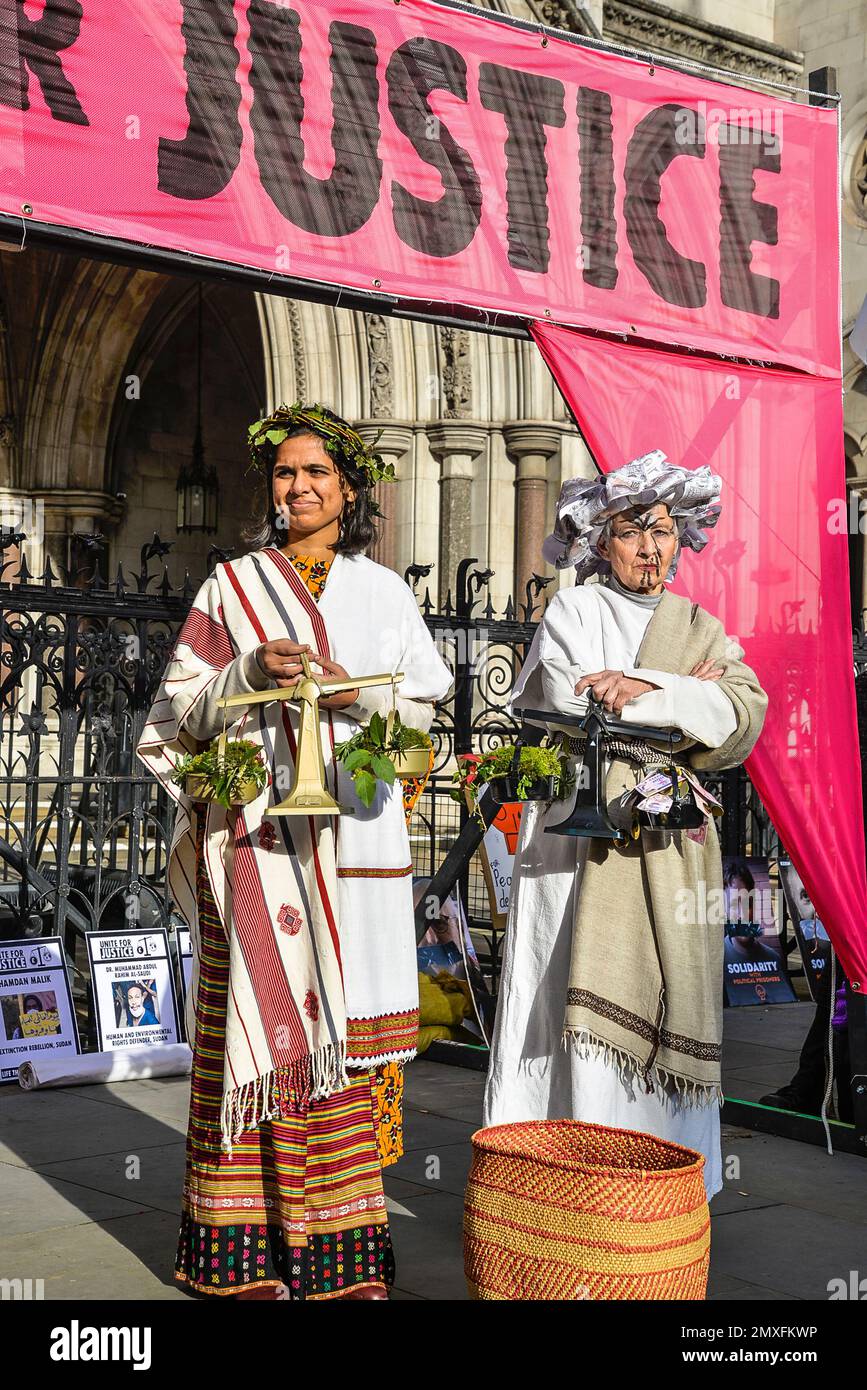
[308,794]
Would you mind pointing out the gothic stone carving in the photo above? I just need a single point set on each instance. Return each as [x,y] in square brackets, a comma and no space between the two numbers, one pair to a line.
[379,367]
[648,26]
[457,383]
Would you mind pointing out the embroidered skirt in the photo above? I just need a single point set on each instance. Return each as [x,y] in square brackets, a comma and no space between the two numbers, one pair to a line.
[300,1202]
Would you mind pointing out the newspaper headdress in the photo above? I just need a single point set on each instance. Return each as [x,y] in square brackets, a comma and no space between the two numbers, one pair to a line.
[586,505]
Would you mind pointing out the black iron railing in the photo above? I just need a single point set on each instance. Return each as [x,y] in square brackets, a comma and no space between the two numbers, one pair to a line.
[85,830]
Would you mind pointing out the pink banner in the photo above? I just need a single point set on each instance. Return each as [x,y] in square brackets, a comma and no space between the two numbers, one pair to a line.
[775,572]
[417,151]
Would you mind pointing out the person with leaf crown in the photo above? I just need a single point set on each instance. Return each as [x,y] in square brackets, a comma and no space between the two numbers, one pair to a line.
[303,1004]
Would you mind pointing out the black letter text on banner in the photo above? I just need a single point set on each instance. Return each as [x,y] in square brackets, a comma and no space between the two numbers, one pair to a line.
[200,165]
[39,42]
[528,103]
[598,223]
[658,139]
[343,202]
[743,220]
[448,225]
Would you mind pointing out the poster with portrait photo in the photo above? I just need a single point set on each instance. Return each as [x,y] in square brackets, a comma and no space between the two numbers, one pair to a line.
[133,988]
[36,1013]
[754,959]
[812,938]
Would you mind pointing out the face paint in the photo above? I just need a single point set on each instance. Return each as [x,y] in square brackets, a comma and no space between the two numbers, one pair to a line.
[645,526]
[642,550]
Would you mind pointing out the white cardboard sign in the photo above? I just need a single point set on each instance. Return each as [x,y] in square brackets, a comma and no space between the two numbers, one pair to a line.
[36,1014]
[133,987]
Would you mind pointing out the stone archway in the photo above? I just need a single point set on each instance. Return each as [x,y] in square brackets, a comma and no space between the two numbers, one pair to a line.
[98,399]
[69,323]
[152,432]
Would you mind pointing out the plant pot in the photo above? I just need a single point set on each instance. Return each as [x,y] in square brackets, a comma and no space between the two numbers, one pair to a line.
[412,762]
[505,789]
[198,788]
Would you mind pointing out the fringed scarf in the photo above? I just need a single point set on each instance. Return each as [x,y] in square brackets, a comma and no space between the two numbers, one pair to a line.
[274,881]
[646,969]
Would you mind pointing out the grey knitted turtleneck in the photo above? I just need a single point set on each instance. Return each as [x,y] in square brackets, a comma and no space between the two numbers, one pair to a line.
[646,600]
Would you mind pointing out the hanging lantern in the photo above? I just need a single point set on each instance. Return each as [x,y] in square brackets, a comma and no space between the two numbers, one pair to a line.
[198,489]
[198,493]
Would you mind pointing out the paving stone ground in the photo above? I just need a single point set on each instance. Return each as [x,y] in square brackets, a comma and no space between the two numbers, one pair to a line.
[792,1220]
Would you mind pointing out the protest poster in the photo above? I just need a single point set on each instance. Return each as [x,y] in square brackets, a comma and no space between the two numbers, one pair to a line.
[755,961]
[497,853]
[35,1003]
[812,938]
[133,988]
[184,942]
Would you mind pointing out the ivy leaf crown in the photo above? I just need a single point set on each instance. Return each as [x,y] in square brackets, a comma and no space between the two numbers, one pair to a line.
[342,443]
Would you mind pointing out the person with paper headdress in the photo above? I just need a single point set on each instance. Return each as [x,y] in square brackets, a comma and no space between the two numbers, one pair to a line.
[610,1007]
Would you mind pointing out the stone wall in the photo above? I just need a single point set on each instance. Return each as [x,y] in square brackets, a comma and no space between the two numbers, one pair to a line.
[155,433]
[479,434]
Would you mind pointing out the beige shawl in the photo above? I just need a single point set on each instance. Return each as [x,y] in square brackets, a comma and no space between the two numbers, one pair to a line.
[645,984]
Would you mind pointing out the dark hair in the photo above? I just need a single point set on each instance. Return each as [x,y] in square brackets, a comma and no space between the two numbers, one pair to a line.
[358,529]
[738,868]
[36,999]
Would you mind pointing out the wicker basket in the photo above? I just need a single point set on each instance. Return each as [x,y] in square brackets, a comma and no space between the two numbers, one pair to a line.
[558,1209]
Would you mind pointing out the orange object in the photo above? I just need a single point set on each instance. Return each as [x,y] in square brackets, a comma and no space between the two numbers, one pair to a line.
[558,1209]
[508,822]
[414,786]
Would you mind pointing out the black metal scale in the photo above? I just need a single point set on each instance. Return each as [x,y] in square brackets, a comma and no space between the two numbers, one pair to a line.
[589,815]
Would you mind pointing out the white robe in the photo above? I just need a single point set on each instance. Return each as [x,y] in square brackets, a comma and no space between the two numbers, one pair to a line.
[347,876]
[533,1076]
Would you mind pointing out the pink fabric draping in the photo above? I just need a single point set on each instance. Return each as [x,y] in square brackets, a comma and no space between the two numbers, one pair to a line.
[431,154]
[775,572]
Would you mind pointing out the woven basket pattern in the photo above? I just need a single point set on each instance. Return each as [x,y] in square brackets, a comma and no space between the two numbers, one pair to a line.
[557,1209]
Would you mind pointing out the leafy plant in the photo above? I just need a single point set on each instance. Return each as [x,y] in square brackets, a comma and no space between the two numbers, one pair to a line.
[224,776]
[369,754]
[534,764]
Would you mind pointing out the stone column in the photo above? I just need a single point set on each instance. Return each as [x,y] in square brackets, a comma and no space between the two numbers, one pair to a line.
[420,528]
[394,445]
[531,443]
[457,444]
